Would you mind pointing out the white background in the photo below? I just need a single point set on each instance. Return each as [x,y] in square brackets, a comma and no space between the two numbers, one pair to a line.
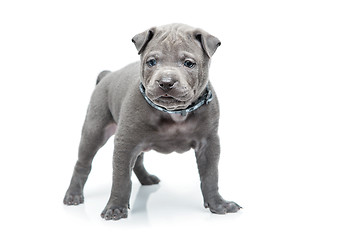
[288,79]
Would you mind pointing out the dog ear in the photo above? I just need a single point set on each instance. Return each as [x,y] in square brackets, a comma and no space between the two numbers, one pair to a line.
[142,39]
[208,42]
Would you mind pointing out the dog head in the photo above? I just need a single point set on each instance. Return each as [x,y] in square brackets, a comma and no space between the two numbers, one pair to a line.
[175,61]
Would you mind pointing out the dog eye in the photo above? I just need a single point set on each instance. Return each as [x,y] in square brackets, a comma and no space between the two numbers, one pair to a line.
[151,62]
[189,64]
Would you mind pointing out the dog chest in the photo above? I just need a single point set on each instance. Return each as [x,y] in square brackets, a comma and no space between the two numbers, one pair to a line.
[174,137]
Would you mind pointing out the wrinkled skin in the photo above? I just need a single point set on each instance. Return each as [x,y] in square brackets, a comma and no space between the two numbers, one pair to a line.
[174,69]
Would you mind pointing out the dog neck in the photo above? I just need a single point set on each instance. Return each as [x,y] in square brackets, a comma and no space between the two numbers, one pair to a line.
[178,117]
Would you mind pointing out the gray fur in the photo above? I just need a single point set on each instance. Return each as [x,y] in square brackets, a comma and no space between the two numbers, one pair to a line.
[117,107]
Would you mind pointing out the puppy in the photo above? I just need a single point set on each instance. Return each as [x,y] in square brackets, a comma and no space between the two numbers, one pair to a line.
[164,103]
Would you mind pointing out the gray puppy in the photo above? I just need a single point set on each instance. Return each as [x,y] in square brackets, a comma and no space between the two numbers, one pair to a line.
[164,103]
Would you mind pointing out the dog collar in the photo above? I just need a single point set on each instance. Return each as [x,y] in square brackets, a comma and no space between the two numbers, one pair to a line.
[204,99]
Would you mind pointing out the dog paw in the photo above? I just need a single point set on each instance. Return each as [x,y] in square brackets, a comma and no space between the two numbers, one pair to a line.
[149,180]
[114,213]
[73,198]
[221,206]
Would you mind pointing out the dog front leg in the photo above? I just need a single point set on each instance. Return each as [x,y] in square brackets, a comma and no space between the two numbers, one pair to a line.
[123,163]
[207,156]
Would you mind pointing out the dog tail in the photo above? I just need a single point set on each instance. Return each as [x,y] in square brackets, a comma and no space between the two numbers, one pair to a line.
[101,76]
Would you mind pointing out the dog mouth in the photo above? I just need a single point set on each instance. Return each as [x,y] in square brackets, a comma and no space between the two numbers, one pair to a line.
[168,99]
[170,102]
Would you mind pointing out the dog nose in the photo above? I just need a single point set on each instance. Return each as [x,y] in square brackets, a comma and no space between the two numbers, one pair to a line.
[167,84]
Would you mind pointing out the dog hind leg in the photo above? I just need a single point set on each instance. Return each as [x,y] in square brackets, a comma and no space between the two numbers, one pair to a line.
[144,177]
[99,126]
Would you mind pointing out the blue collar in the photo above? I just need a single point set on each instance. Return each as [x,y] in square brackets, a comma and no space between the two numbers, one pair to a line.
[204,99]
